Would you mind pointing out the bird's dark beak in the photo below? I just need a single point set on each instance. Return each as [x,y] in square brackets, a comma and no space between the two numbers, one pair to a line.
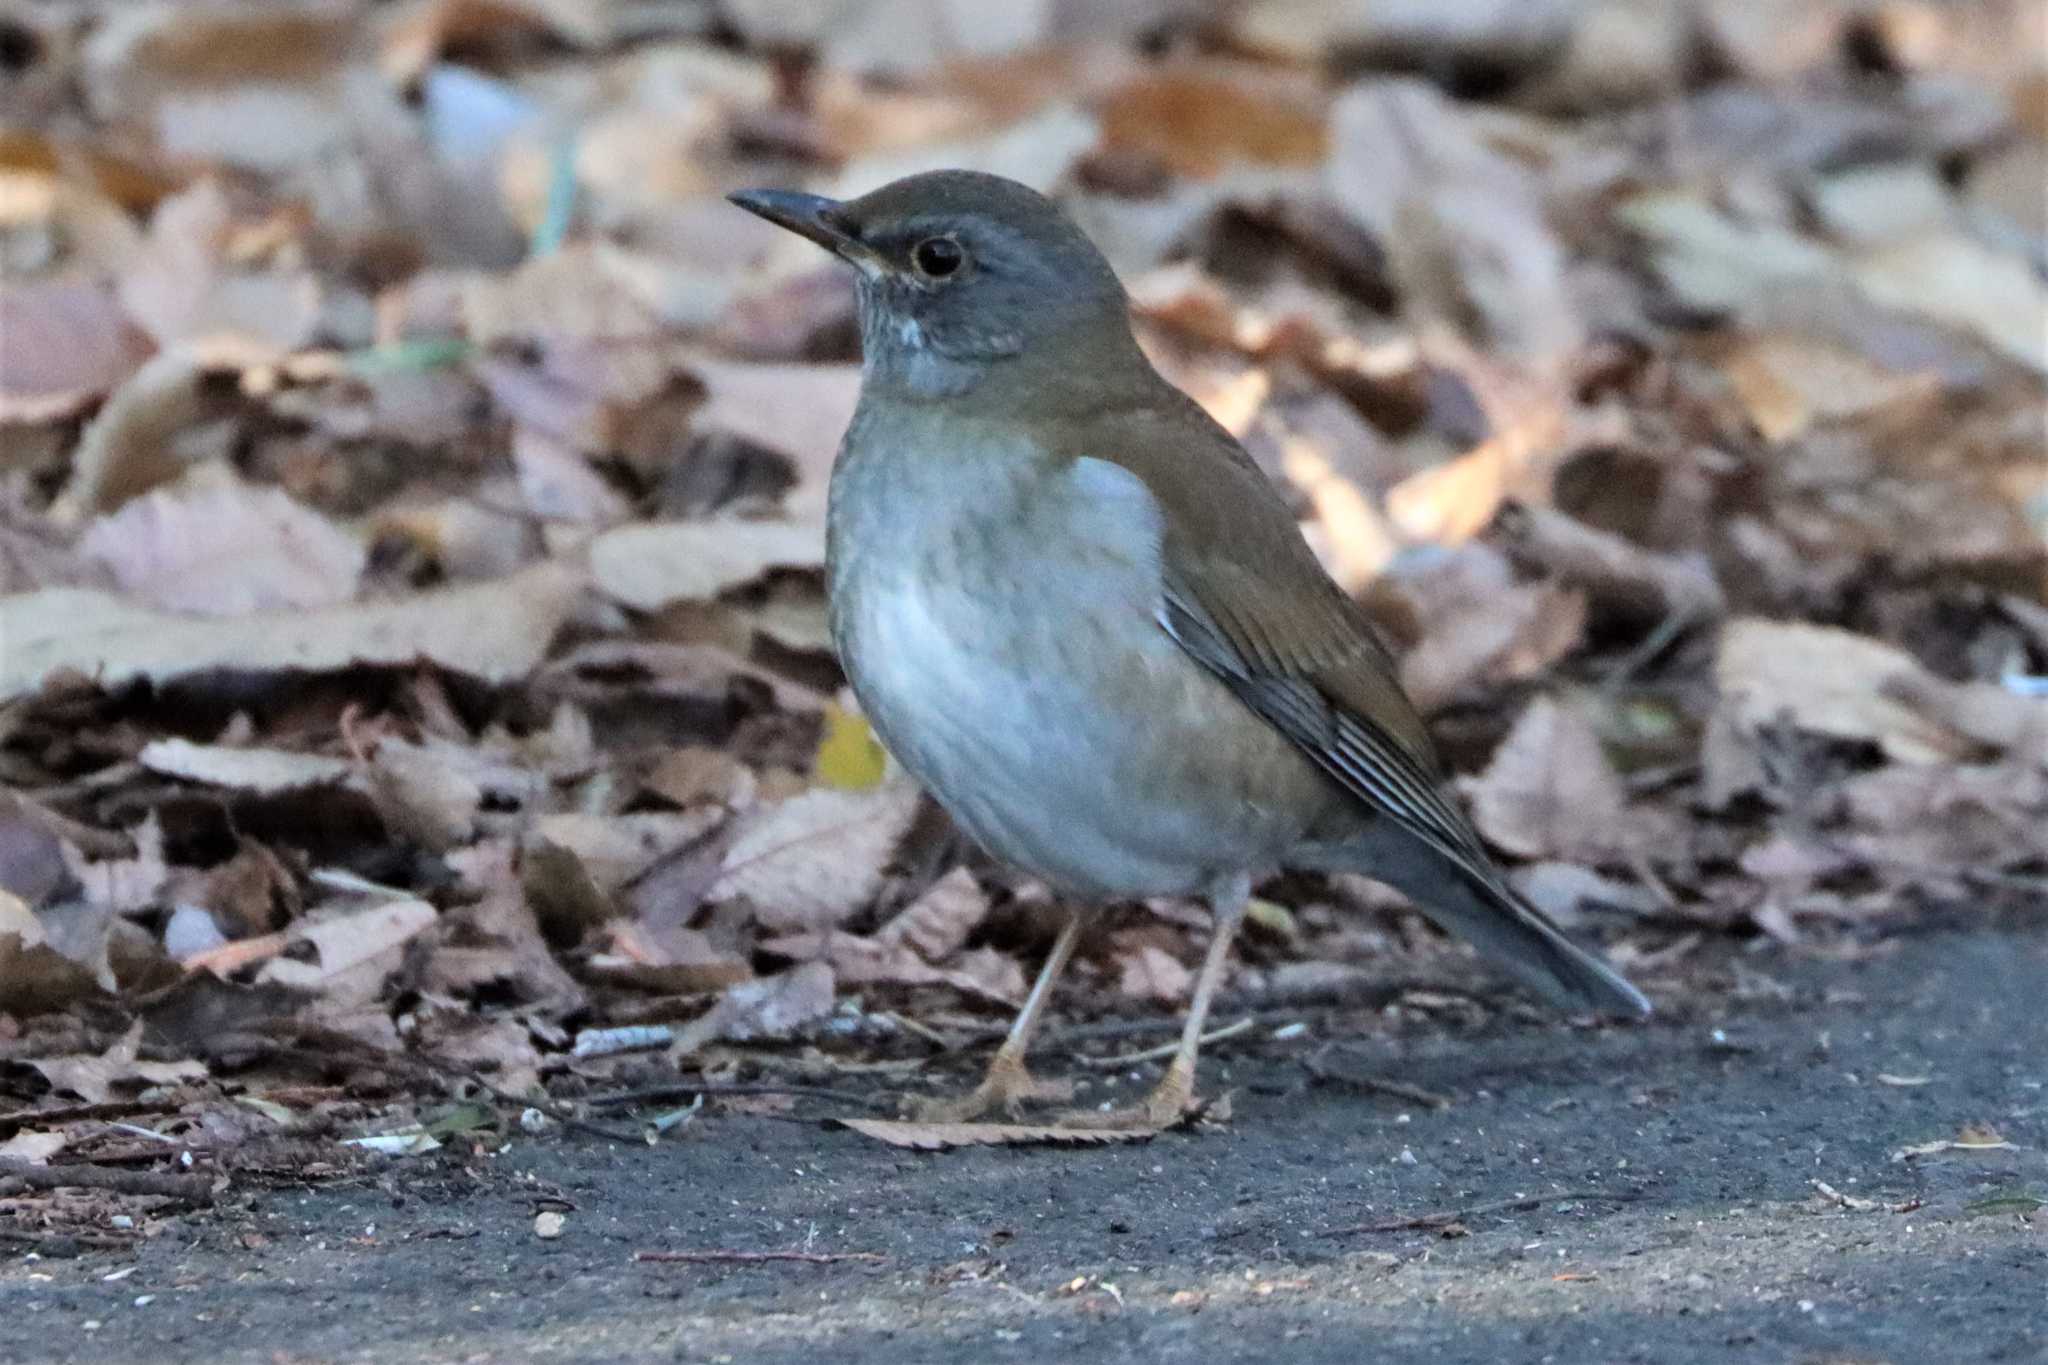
[810,216]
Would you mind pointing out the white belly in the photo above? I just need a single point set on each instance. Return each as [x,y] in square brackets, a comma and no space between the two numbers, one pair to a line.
[1024,678]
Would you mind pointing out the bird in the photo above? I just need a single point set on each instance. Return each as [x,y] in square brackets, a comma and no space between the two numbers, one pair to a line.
[1075,610]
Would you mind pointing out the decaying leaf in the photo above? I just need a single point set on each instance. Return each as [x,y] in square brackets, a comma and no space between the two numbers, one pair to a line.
[496,631]
[348,940]
[226,550]
[812,860]
[1829,681]
[264,771]
[938,922]
[93,1078]
[1549,791]
[651,565]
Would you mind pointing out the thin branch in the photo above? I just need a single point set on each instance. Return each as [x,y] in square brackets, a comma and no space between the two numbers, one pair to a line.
[1165,1050]
[195,1188]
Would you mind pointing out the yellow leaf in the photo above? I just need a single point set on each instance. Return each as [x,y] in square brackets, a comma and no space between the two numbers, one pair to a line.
[849,757]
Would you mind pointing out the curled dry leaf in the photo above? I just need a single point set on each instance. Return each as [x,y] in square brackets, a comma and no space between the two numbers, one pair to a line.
[1828,681]
[938,922]
[263,771]
[1549,791]
[1151,973]
[93,1078]
[812,861]
[421,797]
[496,631]
[348,940]
[651,565]
[858,961]
[226,551]
[129,447]
[1463,224]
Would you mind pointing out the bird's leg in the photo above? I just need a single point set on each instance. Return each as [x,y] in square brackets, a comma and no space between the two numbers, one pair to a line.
[1170,1100]
[1008,1083]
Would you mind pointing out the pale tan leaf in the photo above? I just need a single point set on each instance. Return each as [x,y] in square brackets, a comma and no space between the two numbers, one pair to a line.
[65,344]
[33,1146]
[421,797]
[938,922]
[263,771]
[615,849]
[861,961]
[940,1137]
[226,551]
[182,287]
[811,861]
[1828,681]
[1151,973]
[496,631]
[348,940]
[649,566]
[1549,791]
[94,1078]
[127,449]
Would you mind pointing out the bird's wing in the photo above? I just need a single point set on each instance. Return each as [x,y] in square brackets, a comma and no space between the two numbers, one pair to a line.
[1245,597]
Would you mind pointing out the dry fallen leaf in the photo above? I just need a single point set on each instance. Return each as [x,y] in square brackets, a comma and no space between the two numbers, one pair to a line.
[1549,791]
[649,566]
[93,1078]
[940,1137]
[496,631]
[1829,681]
[347,940]
[260,770]
[811,861]
[938,922]
[1151,973]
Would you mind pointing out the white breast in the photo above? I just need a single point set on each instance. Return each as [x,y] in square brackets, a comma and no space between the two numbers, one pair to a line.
[985,610]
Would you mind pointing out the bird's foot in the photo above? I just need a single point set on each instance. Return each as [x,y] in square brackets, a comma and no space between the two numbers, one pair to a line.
[1007,1088]
[1169,1104]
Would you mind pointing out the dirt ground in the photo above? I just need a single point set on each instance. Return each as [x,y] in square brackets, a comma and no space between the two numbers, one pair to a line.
[1668,1171]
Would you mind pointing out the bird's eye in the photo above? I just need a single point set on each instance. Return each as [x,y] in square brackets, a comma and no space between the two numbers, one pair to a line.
[937,257]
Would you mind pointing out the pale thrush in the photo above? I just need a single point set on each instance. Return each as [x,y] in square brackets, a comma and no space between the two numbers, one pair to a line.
[1074,608]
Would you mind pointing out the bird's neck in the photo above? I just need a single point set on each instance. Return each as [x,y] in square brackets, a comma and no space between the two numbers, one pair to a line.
[1052,376]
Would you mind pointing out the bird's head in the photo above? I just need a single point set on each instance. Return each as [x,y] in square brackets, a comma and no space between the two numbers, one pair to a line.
[964,277]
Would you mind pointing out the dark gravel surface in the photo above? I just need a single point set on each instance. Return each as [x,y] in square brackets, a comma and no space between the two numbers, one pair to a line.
[1671,1165]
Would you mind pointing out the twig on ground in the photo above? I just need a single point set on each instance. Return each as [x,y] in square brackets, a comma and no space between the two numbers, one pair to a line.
[72,1113]
[1437,1220]
[557,1113]
[195,1188]
[757,1257]
[1165,1050]
[67,1243]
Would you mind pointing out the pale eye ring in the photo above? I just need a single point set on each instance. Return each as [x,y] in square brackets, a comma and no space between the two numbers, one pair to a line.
[937,257]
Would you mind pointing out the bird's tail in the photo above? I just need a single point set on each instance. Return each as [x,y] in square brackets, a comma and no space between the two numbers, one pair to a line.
[1477,906]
